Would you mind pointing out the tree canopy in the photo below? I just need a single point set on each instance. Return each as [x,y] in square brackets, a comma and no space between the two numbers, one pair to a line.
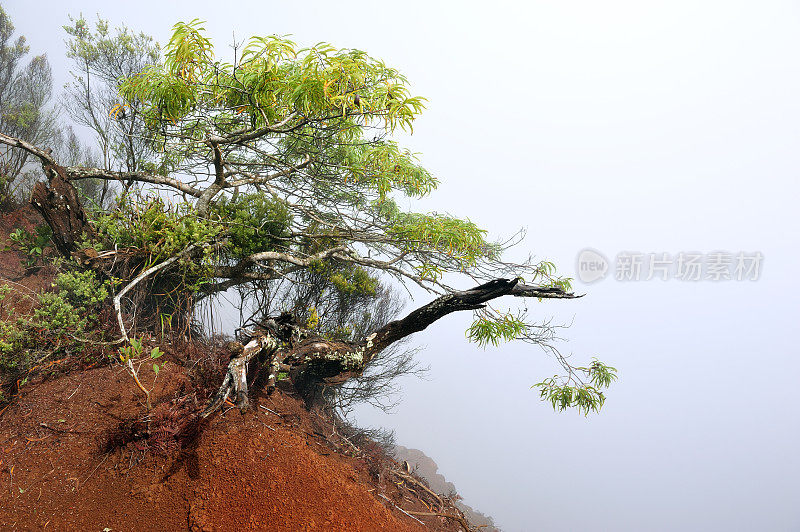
[277,165]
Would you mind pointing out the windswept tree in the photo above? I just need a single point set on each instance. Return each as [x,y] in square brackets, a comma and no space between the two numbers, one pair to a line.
[279,165]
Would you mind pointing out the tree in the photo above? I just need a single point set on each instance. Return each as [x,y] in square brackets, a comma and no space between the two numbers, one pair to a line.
[280,165]
[101,60]
[25,91]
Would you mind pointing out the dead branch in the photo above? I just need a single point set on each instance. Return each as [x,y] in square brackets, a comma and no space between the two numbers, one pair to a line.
[139,278]
[43,155]
[412,480]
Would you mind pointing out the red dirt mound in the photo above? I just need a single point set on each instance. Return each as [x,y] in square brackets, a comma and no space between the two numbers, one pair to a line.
[77,451]
[265,470]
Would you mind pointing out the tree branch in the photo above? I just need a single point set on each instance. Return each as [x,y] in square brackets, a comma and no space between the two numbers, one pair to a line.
[204,201]
[256,180]
[139,278]
[323,360]
[244,135]
[80,172]
[472,299]
[43,155]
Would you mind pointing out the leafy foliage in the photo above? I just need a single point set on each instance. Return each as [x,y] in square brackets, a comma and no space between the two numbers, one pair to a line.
[584,396]
[32,245]
[253,223]
[82,289]
[130,354]
[135,351]
[461,240]
[346,278]
[55,324]
[485,331]
[154,228]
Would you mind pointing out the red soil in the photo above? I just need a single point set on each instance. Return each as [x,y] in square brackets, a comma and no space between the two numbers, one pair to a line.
[258,471]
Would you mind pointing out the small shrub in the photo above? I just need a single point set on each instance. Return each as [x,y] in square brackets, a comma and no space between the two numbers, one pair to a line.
[134,351]
[33,245]
[55,325]
[58,313]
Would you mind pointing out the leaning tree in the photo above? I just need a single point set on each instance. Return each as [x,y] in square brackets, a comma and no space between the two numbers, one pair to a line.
[280,165]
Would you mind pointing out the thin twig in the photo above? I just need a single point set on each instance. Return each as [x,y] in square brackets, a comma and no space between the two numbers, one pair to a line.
[408,514]
[62,431]
[93,470]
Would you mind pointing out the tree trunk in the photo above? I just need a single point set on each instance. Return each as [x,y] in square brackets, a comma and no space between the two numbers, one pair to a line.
[313,360]
[60,207]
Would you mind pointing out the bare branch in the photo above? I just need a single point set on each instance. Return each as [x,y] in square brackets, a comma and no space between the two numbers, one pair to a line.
[80,172]
[43,155]
[142,276]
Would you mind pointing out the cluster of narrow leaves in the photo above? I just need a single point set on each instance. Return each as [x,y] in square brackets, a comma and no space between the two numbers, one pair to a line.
[485,331]
[273,77]
[575,393]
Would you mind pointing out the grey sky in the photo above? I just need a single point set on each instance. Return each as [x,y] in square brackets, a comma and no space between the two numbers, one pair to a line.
[622,126]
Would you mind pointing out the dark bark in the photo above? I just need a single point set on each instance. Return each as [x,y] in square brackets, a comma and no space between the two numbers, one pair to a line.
[314,361]
[421,318]
[60,207]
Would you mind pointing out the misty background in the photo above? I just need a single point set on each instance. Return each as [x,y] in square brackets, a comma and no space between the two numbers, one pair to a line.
[652,127]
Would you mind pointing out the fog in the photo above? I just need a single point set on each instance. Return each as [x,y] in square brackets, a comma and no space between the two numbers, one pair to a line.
[640,127]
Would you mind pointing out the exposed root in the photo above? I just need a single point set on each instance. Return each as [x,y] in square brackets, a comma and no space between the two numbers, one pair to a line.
[235,382]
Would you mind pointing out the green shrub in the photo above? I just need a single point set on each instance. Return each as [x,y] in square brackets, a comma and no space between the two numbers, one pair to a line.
[154,228]
[54,326]
[82,288]
[253,223]
[32,245]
